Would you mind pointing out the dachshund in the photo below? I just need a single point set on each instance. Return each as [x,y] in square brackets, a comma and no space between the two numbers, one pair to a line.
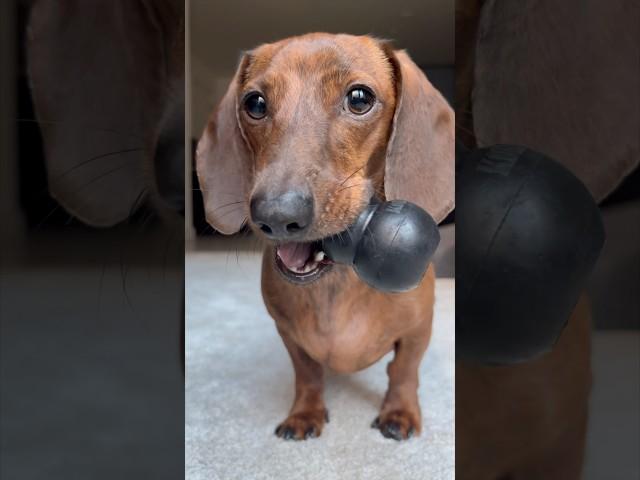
[310,130]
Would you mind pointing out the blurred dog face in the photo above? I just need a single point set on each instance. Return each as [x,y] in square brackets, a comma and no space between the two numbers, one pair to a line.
[316,113]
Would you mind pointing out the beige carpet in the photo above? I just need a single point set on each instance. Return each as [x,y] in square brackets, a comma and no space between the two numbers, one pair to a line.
[239,386]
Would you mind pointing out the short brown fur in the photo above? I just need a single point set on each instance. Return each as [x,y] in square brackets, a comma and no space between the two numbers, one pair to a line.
[307,138]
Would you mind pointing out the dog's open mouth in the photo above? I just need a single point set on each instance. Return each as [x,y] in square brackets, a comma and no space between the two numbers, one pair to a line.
[302,262]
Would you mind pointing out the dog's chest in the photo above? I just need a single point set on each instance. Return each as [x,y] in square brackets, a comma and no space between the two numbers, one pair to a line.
[341,322]
[342,325]
[346,346]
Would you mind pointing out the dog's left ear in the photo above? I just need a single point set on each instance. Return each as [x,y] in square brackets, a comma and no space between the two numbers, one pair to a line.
[420,162]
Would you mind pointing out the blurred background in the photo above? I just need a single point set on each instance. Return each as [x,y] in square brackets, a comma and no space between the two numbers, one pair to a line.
[91,262]
[555,86]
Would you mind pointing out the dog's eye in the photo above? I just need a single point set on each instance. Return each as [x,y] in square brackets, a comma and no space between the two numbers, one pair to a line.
[359,100]
[255,105]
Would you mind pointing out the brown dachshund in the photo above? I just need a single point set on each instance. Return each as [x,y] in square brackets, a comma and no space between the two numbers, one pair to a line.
[310,129]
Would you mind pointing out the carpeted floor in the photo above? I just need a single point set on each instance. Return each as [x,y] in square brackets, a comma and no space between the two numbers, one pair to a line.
[239,386]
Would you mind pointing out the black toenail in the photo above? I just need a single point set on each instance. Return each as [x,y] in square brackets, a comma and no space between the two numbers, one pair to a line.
[376,423]
[391,430]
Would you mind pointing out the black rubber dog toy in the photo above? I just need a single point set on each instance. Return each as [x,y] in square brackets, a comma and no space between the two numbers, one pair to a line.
[528,235]
[389,246]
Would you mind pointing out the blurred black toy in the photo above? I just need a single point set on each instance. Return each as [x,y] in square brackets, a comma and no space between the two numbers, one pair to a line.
[528,235]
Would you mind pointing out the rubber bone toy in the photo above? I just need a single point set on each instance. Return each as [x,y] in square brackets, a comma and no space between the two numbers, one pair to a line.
[389,245]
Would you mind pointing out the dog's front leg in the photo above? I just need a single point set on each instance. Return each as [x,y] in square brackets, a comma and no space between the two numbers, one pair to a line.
[400,413]
[308,413]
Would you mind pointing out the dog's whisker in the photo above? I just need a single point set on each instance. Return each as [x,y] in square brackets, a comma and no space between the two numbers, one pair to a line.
[77,125]
[103,175]
[231,194]
[147,218]
[92,159]
[350,186]
[123,277]
[348,230]
[227,205]
[230,212]
[63,174]
[93,180]
[137,201]
[208,229]
[351,175]
[43,221]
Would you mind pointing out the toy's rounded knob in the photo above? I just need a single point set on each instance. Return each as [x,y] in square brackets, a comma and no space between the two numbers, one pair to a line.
[528,235]
[390,245]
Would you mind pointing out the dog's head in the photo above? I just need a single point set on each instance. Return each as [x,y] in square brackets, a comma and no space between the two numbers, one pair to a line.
[312,127]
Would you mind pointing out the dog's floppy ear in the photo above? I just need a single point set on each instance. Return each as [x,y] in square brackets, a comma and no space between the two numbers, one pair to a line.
[98,83]
[420,154]
[223,162]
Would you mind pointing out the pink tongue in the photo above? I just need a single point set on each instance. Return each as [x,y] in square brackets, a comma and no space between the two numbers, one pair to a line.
[294,255]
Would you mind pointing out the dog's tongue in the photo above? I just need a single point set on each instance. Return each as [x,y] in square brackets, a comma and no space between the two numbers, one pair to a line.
[294,255]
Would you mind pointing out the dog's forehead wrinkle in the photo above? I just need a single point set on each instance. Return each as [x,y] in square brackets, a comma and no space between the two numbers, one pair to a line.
[308,57]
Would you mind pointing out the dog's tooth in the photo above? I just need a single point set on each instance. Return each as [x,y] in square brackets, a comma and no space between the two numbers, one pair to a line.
[319,256]
[310,267]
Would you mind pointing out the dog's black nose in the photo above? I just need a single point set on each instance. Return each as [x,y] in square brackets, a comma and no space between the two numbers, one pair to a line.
[283,216]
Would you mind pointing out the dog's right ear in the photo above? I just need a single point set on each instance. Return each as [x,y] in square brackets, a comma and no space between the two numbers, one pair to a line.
[223,162]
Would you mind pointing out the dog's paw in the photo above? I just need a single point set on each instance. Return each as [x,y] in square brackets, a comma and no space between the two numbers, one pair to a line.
[397,424]
[303,425]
